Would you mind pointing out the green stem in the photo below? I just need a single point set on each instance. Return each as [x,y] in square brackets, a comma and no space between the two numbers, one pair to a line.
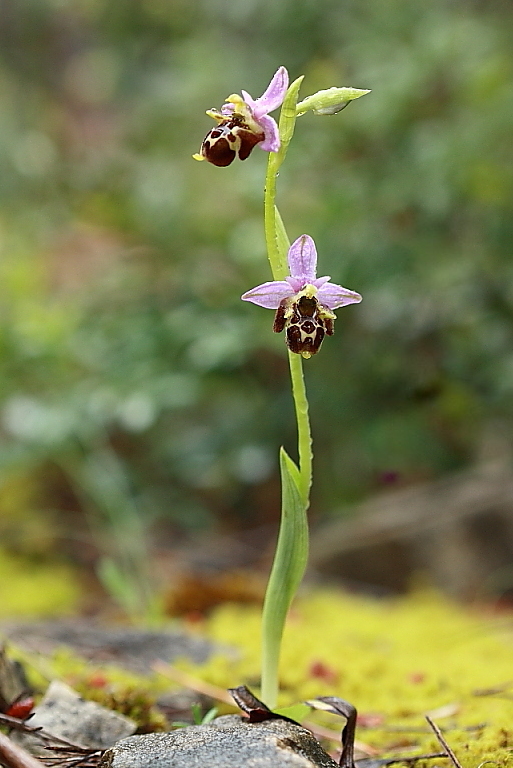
[276,258]
[277,246]
[304,435]
[292,549]
[287,123]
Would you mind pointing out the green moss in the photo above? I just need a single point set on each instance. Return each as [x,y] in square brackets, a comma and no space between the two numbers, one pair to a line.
[109,685]
[398,659]
[134,701]
[394,659]
[36,588]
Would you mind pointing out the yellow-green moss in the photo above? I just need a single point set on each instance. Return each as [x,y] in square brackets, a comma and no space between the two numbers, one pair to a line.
[109,685]
[134,701]
[75,670]
[34,588]
[397,658]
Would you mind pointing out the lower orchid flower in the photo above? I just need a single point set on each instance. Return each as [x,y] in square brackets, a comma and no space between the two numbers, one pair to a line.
[304,303]
[244,122]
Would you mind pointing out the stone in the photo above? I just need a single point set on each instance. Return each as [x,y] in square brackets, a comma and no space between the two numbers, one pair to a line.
[227,742]
[65,714]
[128,647]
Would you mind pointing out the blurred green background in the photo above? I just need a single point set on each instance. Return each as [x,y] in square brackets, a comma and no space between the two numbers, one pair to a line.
[139,394]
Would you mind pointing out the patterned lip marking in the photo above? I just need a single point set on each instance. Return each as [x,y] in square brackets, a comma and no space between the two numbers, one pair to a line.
[306,322]
[231,138]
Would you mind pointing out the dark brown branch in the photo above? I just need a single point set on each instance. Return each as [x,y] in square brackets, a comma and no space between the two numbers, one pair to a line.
[18,725]
[14,756]
[49,739]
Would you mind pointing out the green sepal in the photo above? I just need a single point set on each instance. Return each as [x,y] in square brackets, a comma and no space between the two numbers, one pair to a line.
[288,116]
[330,101]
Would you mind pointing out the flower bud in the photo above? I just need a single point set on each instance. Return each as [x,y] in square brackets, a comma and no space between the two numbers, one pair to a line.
[329,101]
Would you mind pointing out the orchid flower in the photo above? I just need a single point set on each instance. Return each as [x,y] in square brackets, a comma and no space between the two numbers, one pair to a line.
[304,303]
[244,122]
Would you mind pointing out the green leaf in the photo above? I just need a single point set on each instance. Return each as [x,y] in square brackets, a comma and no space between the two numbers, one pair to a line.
[286,574]
[297,712]
[209,716]
[202,719]
[292,470]
[117,585]
[196,713]
[329,101]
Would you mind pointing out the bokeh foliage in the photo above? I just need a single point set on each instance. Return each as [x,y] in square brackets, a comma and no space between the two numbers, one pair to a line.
[134,382]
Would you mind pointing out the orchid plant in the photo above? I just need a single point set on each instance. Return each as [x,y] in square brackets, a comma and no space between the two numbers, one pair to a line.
[304,305]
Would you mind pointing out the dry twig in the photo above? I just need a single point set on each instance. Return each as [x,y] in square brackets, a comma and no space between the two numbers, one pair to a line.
[14,756]
[492,691]
[62,751]
[66,757]
[193,683]
[448,751]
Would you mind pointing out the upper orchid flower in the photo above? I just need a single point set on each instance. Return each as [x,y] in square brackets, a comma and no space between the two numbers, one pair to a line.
[244,122]
[304,303]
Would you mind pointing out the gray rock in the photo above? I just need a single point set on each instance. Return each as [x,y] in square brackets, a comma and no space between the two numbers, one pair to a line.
[63,713]
[228,742]
[130,648]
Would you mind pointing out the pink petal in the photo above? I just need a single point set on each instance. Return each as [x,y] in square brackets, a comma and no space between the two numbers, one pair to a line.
[333,296]
[273,95]
[271,143]
[319,281]
[296,283]
[269,295]
[250,101]
[302,258]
